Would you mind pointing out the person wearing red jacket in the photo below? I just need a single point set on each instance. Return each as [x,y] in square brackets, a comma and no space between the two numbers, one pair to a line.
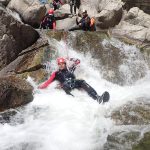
[49,21]
[69,82]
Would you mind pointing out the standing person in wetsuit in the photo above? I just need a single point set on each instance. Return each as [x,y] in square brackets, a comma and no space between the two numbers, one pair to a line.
[73,4]
[49,21]
[68,80]
[83,24]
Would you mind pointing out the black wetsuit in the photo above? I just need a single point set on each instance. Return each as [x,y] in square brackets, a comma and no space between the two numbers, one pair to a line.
[56,4]
[47,22]
[83,24]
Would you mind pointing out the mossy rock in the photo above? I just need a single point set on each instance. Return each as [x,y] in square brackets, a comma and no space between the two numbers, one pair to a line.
[144,143]
[121,140]
[133,113]
[58,35]
[15,92]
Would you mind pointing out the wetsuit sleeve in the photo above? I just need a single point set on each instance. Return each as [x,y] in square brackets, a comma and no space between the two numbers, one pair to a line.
[78,22]
[49,81]
[54,25]
[60,2]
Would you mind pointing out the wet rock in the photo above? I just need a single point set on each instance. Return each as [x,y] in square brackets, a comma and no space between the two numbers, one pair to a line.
[5,117]
[133,113]
[90,6]
[144,143]
[110,16]
[123,140]
[31,12]
[4,2]
[109,56]
[135,32]
[66,24]
[135,25]
[14,92]
[142,4]
[14,37]
[35,55]
[136,16]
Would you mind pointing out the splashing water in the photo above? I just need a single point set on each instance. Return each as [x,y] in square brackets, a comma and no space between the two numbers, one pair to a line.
[14,14]
[56,121]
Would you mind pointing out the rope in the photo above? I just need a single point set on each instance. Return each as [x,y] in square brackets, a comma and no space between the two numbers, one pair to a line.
[65,41]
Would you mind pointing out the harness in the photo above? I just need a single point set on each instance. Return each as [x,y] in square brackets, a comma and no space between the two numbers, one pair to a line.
[69,84]
[66,78]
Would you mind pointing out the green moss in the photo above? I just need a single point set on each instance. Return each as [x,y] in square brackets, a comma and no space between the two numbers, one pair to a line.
[58,35]
[144,144]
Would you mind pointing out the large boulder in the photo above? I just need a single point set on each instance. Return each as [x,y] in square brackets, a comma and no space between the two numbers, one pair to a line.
[110,15]
[14,92]
[137,32]
[144,143]
[142,4]
[31,12]
[122,140]
[113,58]
[91,6]
[133,113]
[136,16]
[14,37]
[66,24]
[134,25]
[4,2]
[28,58]
[62,13]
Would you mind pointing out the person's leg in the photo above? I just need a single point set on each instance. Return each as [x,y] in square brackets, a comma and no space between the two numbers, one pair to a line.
[75,28]
[67,88]
[55,6]
[74,8]
[91,92]
[71,7]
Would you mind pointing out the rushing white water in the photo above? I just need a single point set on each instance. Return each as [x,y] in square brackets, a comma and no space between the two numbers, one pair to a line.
[56,121]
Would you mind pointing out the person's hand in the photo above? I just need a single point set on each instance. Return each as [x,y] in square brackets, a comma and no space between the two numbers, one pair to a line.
[77,62]
[67,58]
[59,86]
[40,87]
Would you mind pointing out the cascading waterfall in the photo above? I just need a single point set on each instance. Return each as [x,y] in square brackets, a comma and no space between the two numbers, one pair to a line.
[56,121]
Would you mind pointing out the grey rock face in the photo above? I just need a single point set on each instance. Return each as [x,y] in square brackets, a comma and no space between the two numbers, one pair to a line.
[14,92]
[14,37]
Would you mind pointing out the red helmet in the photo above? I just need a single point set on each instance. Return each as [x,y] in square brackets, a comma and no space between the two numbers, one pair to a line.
[61,60]
[51,11]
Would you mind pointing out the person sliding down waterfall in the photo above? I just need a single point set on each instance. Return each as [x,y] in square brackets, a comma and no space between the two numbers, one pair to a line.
[69,82]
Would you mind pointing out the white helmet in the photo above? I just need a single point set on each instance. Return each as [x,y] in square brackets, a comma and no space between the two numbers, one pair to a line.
[84,11]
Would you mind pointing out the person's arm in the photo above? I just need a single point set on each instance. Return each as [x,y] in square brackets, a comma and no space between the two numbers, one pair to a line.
[54,25]
[76,62]
[49,81]
[78,22]
[87,21]
[60,2]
